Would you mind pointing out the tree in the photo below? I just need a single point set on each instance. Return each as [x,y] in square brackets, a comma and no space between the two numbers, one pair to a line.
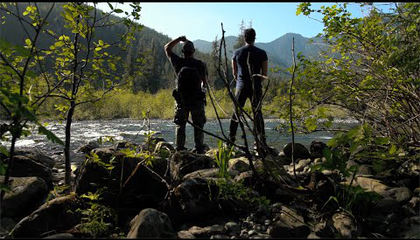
[241,39]
[376,69]
[18,66]
[82,61]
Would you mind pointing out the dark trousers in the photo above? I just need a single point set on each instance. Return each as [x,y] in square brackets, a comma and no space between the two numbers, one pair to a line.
[198,118]
[242,95]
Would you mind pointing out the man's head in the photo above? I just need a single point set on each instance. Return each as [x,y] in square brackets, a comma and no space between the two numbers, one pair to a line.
[249,35]
[188,48]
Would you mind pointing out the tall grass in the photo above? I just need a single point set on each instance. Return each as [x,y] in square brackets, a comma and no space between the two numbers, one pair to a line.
[125,104]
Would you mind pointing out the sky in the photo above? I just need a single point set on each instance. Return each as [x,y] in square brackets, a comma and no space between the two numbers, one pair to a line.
[203,20]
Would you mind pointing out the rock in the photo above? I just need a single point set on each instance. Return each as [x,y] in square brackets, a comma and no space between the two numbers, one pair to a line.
[372,185]
[302,164]
[290,225]
[164,145]
[26,167]
[60,236]
[28,193]
[127,173]
[247,178]
[206,232]
[401,194]
[300,151]
[316,149]
[232,228]
[184,234]
[193,195]
[36,155]
[239,164]
[7,224]
[417,191]
[323,230]
[211,153]
[203,173]
[364,170]
[56,215]
[150,223]
[410,168]
[261,236]
[346,226]
[219,236]
[88,147]
[184,162]
[411,228]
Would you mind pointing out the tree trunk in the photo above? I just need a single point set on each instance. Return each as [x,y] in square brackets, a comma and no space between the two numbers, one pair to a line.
[67,143]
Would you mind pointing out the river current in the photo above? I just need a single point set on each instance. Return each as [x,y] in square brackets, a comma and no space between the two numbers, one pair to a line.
[83,132]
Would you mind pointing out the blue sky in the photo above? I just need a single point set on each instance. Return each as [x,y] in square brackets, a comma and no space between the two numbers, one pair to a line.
[202,20]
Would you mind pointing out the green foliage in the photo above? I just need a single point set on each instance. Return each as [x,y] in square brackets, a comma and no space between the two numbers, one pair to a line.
[236,192]
[108,166]
[224,154]
[97,219]
[370,68]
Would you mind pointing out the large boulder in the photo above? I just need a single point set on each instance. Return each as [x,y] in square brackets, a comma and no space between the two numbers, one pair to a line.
[86,148]
[36,155]
[184,162]
[24,166]
[316,149]
[196,197]
[150,223]
[300,151]
[56,215]
[140,185]
[26,195]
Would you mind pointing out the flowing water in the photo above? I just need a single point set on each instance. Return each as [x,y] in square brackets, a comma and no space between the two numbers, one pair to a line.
[135,130]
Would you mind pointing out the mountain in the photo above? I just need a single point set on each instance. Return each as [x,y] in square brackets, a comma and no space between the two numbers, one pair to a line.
[279,51]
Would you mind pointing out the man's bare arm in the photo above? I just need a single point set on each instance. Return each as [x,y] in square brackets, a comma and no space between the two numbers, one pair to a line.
[264,67]
[168,47]
[234,69]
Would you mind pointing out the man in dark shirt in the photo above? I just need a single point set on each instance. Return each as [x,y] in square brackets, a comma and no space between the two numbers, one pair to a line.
[197,108]
[246,85]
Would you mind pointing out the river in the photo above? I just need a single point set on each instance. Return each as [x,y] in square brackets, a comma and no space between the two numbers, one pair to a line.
[135,130]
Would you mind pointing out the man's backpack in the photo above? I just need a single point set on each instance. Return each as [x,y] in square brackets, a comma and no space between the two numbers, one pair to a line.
[189,86]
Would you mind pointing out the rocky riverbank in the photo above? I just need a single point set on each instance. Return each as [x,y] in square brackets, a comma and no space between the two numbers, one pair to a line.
[137,191]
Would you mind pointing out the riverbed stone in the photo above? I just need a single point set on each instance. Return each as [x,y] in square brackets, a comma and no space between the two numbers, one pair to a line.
[301,152]
[410,168]
[26,167]
[27,194]
[240,164]
[290,224]
[400,194]
[316,149]
[184,162]
[57,215]
[163,145]
[150,223]
[36,155]
[86,148]
[346,226]
[194,198]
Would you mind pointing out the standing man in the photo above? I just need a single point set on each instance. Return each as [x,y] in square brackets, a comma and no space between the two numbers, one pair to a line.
[191,77]
[246,85]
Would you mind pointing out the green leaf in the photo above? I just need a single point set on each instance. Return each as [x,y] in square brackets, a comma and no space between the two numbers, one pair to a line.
[3,168]
[50,135]
[5,187]
[118,10]
[4,151]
